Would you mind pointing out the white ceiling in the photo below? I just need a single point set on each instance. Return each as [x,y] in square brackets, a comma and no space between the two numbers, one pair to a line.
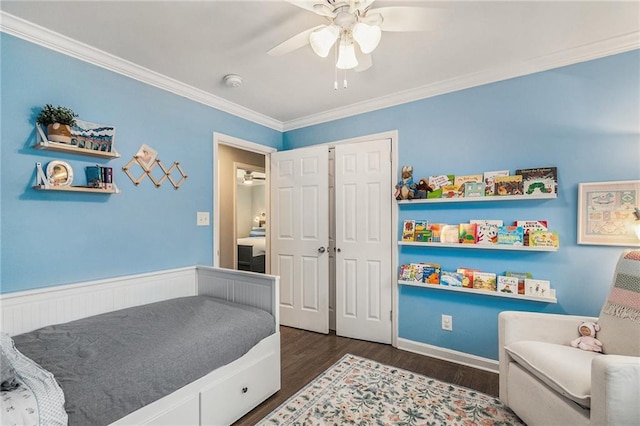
[198,42]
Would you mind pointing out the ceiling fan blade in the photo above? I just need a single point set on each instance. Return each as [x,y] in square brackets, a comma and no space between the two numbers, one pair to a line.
[365,61]
[296,42]
[408,18]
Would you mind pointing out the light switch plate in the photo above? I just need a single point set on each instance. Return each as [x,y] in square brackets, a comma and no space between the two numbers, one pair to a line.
[202,219]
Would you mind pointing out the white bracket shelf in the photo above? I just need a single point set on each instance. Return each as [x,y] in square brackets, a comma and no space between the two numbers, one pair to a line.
[46,145]
[43,184]
[482,292]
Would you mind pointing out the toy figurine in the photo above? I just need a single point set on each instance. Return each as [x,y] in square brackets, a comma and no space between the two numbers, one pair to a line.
[406,187]
[587,340]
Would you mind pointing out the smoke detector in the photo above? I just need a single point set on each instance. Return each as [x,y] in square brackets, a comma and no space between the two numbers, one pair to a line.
[232,80]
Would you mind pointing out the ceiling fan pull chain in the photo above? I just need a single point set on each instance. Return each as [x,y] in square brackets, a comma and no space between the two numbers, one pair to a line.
[335,69]
[344,85]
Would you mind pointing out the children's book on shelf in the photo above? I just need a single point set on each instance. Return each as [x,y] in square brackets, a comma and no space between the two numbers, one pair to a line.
[467,233]
[484,280]
[462,180]
[507,185]
[544,239]
[409,230]
[489,187]
[508,285]
[450,191]
[487,230]
[474,189]
[542,180]
[511,235]
[406,273]
[436,232]
[540,288]
[422,233]
[431,273]
[418,272]
[450,278]
[530,225]
[437,182]
[521,276]
[449,234]
[467,276]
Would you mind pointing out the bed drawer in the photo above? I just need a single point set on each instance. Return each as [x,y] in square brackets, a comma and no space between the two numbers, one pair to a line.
[236,395]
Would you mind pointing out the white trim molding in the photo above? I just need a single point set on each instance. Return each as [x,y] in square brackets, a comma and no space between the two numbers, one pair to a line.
[448,355]
[67,46]
[39,35]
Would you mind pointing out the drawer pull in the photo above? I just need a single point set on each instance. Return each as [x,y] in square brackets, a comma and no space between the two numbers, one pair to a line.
[245,389]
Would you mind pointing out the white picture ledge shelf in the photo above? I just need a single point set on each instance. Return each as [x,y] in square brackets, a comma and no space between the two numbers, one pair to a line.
[477,246]
[479,199]
[44,144]
[76,189]
[482,292]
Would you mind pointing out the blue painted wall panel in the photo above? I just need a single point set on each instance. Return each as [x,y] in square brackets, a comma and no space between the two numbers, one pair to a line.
[582,119]
[50,238]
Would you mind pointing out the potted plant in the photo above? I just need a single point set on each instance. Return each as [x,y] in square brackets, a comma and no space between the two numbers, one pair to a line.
[58,121]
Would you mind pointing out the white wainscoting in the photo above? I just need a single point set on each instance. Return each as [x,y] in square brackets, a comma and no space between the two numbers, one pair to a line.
[28,310]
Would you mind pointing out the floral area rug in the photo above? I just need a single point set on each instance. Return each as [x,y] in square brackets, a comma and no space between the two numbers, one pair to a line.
[358,391]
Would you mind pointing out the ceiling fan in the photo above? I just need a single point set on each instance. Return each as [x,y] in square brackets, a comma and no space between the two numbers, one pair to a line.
[248,177]
[353,23]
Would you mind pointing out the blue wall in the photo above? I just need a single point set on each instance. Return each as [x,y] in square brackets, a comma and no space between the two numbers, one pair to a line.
[581,118]
[49,238]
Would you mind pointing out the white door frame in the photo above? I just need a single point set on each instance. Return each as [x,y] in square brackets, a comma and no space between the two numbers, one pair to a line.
[222,139]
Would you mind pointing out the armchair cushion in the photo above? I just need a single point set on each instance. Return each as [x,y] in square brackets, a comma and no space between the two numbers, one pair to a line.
[563,368]
[620,316]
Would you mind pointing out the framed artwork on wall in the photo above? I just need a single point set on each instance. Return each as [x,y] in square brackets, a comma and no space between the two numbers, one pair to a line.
[608,213]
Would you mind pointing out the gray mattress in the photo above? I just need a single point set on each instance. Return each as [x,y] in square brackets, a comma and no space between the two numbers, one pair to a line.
[112,364]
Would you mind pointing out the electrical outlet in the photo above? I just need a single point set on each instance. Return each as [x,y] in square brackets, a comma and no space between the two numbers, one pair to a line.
[447,322]
[202,219]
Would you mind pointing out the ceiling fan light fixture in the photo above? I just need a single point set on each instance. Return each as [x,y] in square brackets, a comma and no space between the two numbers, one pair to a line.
[367,36]
[346,55]
[323,39]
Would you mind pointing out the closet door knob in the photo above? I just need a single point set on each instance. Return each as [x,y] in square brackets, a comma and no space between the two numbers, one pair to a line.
[321,249]
[339,250]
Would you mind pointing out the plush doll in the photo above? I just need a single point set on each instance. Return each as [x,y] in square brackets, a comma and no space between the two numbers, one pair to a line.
[406,187]
[423,188]
[587,340]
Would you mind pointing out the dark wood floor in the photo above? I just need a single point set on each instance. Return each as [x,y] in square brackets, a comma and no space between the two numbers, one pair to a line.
[305,355]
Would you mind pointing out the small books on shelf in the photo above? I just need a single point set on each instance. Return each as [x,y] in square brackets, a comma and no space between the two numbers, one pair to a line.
[408,230]
[521,276]
[467,276]
[431,273]
[99,177]
[540,288]
[530,225]
[544,239]
[511,235]
[453,279]
[508,285]
[489,177]
[467,233]
[462,181]
[422,232]
[487,230]
[507,185]
[437,182]
[474,189]
[542,180]
[484,280]
[449,234]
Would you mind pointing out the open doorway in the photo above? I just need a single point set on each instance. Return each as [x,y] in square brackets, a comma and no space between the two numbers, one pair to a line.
[228,154]
[250,217]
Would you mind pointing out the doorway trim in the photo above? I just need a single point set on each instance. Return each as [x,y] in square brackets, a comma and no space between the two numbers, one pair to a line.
[222,139]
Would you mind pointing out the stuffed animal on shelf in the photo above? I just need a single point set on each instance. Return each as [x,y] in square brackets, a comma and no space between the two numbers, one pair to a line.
[423,189]
[406,187]
[587,340]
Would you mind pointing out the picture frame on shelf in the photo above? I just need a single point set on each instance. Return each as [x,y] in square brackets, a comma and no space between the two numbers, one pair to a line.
[606,213]
[93,136]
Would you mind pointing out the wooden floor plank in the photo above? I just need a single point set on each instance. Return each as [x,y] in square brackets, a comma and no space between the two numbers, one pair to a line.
[305,355]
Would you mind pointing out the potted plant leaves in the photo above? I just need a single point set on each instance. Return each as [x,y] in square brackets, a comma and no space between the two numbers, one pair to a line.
[58,121]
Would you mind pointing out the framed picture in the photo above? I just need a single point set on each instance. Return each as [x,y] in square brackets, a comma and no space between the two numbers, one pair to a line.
[606,213]
[93,136]
[146,156]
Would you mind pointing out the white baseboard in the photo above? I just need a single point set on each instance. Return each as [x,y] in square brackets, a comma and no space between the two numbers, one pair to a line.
[448,355]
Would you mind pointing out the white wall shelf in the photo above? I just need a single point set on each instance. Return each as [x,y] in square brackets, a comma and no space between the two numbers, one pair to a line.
[479,199]
[43,144]
[482,292]
[76,189]
[477,246]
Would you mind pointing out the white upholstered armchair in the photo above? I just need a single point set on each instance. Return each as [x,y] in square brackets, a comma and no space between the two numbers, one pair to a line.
[545,381]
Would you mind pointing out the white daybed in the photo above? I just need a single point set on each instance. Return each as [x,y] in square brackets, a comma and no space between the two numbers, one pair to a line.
[220,397]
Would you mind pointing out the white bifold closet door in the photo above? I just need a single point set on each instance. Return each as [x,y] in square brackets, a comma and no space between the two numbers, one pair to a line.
[301,211]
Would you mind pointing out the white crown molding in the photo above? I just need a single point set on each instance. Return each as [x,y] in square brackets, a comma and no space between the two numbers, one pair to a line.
[36,34]
[600,49]
[33,33]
